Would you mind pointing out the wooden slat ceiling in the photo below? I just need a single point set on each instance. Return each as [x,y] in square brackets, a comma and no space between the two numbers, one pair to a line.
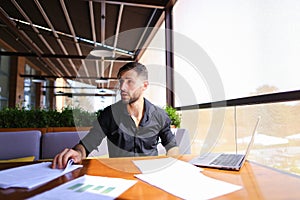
[58,35]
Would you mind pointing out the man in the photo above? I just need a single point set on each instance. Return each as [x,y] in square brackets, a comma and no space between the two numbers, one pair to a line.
[133,126]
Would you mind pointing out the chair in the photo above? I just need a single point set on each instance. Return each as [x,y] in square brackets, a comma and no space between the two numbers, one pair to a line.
[54,142]
[19,144]
[183,141]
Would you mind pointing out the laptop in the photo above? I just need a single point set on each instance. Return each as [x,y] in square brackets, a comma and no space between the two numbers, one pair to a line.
[228,161]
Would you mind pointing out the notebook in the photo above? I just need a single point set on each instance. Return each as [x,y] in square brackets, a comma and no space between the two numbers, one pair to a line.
[225,160]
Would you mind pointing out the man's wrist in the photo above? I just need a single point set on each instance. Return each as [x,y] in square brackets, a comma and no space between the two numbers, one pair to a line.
[80,149]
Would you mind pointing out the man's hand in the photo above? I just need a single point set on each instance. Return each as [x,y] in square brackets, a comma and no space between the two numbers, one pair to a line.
[60,160]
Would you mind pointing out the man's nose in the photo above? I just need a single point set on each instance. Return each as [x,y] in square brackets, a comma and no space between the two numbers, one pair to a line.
[123,86]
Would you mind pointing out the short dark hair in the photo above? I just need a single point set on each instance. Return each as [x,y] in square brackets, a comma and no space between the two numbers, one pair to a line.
[136,66]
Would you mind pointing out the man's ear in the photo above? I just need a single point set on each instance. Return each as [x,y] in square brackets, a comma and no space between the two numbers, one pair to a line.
[145,85]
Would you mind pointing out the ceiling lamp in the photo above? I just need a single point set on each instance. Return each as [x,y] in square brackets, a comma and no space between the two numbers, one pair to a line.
[101,80]
[101,53]
[38,79]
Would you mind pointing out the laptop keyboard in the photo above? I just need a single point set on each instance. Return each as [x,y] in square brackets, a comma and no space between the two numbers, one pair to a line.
[227,159]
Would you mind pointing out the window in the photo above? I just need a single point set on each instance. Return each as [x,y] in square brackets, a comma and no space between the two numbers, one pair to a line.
[253,46]
[249,48]
[29,89]
[4,80]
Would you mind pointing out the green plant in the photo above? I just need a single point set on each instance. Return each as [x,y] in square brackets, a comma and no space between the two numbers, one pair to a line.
[173,115]
[42,118]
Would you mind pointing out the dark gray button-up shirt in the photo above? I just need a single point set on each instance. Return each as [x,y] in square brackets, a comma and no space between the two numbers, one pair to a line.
[124,138]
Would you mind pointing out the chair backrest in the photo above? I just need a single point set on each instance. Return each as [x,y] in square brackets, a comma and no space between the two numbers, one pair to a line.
[55,142]
[20,144]
[183,141]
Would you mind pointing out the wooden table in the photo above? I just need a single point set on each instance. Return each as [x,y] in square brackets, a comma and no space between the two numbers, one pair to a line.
[258,182]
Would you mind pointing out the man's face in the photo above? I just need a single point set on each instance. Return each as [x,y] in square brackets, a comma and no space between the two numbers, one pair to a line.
[131,86]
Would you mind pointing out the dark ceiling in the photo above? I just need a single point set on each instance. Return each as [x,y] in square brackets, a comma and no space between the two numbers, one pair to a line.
[57,36]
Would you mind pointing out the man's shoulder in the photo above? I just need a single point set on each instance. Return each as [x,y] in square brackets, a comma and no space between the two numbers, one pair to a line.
[116,104]
[154,108]
[109,108]
[150,105]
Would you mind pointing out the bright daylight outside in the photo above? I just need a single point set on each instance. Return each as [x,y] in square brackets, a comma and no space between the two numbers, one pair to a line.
[254,46]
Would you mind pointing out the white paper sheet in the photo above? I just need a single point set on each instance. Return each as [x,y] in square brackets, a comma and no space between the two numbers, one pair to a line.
[88,187]
[183,180]
[33,175]
[153,165]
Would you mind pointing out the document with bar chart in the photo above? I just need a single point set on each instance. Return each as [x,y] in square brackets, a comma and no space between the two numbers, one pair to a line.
[89,187]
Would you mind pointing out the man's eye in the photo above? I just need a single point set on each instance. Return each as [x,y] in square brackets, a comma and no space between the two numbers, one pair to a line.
[131,82]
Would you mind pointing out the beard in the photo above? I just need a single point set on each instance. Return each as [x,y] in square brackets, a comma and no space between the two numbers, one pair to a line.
[130,99]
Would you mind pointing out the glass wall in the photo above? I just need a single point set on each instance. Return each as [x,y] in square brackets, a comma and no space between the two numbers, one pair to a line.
[277,139]
[29,89]
[4,80]
[45,101]
[247,47]
[233,49]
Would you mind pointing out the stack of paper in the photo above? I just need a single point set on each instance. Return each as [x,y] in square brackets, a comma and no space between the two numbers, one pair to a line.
[33,175]
[182,179]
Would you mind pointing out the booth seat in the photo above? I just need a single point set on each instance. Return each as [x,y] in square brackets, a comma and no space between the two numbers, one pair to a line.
[20,145]
[54,142]
[33,144]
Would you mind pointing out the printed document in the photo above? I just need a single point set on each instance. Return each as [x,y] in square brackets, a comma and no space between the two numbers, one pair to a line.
[31,176]
[88,187]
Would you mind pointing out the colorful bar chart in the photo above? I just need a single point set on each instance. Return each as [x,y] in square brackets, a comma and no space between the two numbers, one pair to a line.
[81,187]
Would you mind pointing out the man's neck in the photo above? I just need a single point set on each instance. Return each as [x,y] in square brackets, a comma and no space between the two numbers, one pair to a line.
[137,107]
[136,110]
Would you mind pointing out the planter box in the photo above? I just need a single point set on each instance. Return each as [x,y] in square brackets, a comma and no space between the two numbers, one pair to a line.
[67,129]
[46,130]
[43,130]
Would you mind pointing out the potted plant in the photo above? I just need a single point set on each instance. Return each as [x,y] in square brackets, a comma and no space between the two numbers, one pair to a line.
[174,116]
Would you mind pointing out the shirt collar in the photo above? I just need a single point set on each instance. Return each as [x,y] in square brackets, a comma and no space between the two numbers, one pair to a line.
[147,115]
